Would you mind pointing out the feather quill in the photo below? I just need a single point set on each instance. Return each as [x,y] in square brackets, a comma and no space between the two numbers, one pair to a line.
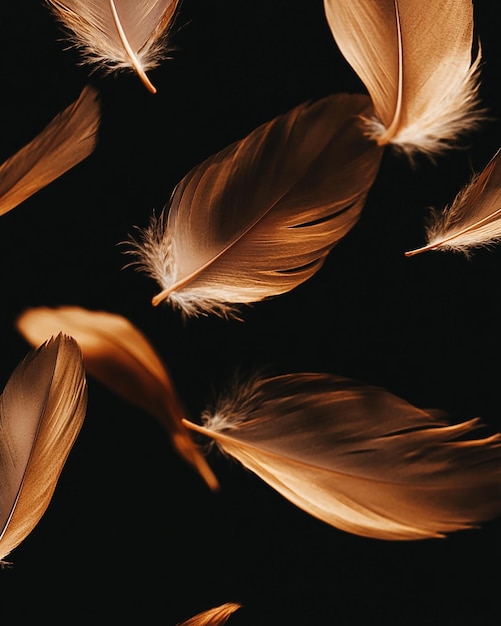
[42,409]
[473,219]
[415,59]
[217,616]
[119,34]
[259,217]
[358,457]
[68,139]
[119,356]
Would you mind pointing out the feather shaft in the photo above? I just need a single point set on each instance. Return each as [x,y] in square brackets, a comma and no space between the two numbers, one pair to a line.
[136,64]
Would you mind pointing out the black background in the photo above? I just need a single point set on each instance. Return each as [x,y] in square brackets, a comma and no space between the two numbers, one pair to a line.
[132,533]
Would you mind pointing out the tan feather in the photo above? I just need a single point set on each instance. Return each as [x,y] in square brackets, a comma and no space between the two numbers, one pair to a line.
[358,457]
[217,616]
[42,409]
[473,219]
[119,34]
[259,217]
[415,59]
[119,355]
[68,139]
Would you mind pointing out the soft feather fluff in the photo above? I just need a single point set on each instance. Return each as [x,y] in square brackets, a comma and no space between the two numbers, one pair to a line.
[42,409]
[259,217]
[119,355]
[217,616]
[358,457]
[415,59]
[473,220]
[68,139]
[119,34]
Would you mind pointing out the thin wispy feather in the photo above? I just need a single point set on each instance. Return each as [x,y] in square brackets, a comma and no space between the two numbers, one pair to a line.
[217,616]
[358,457]
[259,217]
[119,356]
[119,34]
[415,59]
[68,139]
[473,220]
[42,409]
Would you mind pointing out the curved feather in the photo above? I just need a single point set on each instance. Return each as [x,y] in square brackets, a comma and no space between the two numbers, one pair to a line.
[217,616]
[119,34]
[415,59]
[119,356]
[474,218]
[259,217]
[68,139]
[358,457]
[42,409]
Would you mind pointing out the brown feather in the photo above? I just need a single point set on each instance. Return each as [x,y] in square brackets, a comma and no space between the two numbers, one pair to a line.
[119,355]
[358,457]
[42,409]
[416,63]
[68,139]
[260,217]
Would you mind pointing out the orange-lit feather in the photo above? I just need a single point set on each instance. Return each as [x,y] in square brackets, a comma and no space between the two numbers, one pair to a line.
[473,219]
[259,217]
[120,356]
[358,457]
[42,409]
[68,139]
[415,59]
[119,34]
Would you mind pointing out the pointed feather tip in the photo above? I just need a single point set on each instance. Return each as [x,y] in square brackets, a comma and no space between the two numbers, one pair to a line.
[420,250]
[160,297]
[145,80]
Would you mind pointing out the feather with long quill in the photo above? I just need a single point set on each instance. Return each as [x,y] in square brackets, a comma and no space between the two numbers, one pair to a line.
[473,219]
[119,34]
[217,616]
[259,217]
[119,356]
[359,458]
[42,409]
[415,59]
[68,139]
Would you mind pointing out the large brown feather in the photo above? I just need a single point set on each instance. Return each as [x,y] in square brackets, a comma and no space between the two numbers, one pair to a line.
[42,409]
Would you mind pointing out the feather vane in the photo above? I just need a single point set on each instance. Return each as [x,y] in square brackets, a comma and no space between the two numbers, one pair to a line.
[259,217]
[416,63]
[68,139]
[358,457]
[119,34]
[42,409]
[119,356]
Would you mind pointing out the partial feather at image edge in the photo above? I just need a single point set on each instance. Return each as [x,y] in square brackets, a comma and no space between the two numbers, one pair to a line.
[472,220]
[114,35]
[66,141]
[42,409]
